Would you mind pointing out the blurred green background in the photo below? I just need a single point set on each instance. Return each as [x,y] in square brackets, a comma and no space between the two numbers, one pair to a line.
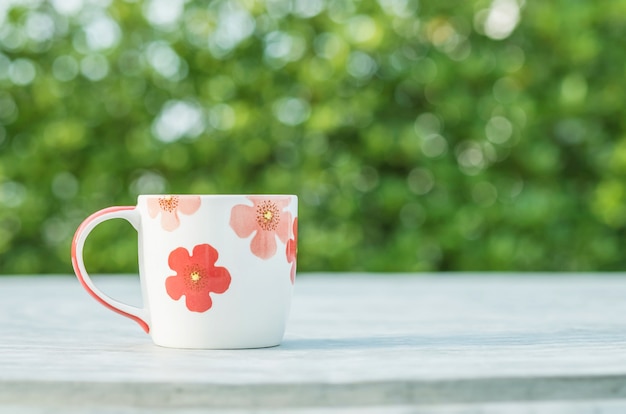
[420,136]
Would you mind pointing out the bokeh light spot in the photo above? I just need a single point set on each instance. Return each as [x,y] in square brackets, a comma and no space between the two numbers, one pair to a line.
[163,13]
[67,7]
[399,8]
[5,64]
[163,59]
[65,185]
[367,179]
[499,130]
[178,119]
[65,68]
[222,117]
[8,108]
[22,72]
[283,46]
[291,111]
[470,157]
[434,145]
[506,90]
[427,123]
[278,9]
[361,29]
[102,33]
[94,67]
[39,26]
[573,89]
[307,8]
[55,231]
[12,194]
[11,37]
[328,45]
[502,18]
[234,25]
[361,65]
[420,181]
[571,131]
[148,182]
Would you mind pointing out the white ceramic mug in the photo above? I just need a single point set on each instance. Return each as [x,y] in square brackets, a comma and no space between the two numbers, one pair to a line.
[216,271]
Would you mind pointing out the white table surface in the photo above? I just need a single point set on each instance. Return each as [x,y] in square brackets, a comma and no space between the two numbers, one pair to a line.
[366,343]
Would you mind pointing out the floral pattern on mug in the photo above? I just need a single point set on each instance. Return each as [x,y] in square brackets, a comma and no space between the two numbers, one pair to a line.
[169,206]
[196,277]
[266,220]
[292,250]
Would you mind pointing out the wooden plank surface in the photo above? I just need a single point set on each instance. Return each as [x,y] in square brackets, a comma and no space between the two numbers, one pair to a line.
[353,340]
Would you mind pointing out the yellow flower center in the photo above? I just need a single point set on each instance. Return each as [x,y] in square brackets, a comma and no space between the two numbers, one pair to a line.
[195,276]
[267,215]
[168,203]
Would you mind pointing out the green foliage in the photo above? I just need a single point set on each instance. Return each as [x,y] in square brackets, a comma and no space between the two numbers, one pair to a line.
[419,136]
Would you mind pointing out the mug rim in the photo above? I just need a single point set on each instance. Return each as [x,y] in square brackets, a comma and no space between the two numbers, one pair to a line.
[215,195]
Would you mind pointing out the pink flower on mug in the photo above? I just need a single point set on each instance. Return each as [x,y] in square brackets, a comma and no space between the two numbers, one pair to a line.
[196,277]
[266,220]
[292,250]
[169,206]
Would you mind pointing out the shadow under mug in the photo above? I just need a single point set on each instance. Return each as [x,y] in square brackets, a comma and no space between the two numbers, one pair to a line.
[216,271]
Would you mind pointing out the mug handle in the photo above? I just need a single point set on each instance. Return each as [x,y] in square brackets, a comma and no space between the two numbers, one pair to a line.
[128,213]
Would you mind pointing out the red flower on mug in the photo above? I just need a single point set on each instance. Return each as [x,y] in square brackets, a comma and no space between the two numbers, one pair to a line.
[292,250]
[196,277]
[267,219]
[169,206]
